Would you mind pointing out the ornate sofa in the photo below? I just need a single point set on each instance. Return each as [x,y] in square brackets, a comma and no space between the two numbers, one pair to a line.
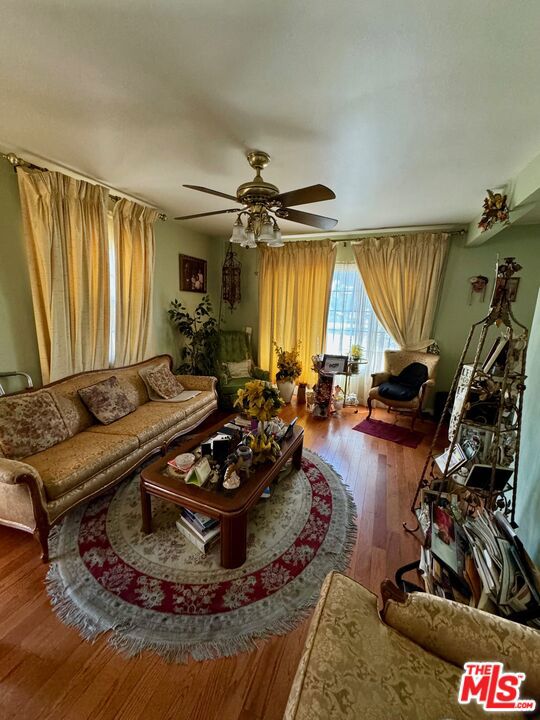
[38,490]
[407,665]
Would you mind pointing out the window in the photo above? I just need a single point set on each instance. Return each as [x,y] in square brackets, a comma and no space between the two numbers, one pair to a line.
[351,321]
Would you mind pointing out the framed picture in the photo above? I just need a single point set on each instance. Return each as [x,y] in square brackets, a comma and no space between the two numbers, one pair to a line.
[497,354]
[457,460]
[334,364]
[478,442]
[192,274]
[512,285]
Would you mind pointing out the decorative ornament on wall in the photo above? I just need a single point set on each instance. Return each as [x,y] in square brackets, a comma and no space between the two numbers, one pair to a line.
[495,210]
[478,286]
[230,279]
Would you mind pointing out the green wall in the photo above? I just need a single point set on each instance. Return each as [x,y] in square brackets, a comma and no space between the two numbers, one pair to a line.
[455,316]
[18,343]
[528,497]
[172,239]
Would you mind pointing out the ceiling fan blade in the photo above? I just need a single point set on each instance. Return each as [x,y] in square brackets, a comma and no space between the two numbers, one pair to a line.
[302,196]
[211,192]
[318,221]
[216,212]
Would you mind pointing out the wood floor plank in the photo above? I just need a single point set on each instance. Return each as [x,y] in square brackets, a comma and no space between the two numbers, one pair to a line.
[47,671]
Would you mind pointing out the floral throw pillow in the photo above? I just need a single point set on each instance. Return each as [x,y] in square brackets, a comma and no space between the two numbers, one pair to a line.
[163,382]
[107,401]
[29,424]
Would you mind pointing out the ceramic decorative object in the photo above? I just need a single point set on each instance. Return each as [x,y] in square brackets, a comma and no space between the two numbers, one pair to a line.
[286,390]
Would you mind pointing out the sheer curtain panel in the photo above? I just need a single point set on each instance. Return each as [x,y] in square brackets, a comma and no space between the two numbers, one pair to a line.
[65,229]
[134,244]
[351,321]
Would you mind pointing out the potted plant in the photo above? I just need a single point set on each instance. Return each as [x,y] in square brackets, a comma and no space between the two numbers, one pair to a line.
[200,331]
[260,401]
[289,369]
[356,356]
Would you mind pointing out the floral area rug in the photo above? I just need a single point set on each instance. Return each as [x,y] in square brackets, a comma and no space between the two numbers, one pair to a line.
[158,592]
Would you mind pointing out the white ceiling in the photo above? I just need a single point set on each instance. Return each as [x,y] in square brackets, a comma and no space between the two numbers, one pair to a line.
[408,109]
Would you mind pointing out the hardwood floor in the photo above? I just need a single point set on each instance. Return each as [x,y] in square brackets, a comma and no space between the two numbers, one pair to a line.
[47,671]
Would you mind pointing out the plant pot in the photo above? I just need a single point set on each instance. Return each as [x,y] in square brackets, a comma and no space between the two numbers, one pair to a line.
[286,390]
[353,367]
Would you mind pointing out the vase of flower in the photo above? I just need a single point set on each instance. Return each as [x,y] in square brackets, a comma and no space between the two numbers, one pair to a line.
[289,369]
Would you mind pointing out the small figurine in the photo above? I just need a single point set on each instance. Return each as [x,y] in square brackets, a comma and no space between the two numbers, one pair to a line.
[232,479]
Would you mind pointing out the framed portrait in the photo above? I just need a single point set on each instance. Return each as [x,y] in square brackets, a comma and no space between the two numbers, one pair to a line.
[192,274]
[334,364]
[512,285]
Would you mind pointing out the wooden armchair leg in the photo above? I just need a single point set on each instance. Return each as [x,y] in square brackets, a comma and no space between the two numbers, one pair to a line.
[41,534]
[370,408]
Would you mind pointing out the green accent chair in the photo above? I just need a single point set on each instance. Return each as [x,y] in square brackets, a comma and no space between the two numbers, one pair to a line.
[235,346]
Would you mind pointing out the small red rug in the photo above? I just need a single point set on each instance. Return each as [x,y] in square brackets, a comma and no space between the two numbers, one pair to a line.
[393,433]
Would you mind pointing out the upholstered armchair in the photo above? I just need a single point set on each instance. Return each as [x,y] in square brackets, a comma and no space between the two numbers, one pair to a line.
[235,347]
[395,362]
[403,663]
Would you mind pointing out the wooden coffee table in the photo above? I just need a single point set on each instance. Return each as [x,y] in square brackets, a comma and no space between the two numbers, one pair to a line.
[230,509]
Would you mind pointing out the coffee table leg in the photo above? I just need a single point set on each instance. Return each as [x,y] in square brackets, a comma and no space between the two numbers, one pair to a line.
[146,510]
[297,456]
[233,541]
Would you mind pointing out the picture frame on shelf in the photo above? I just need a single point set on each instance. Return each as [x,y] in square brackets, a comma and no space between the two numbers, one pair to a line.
[479,438]
[193,274]
[497,352]
[334,364]
[457,459]
[512,285]
[480,477]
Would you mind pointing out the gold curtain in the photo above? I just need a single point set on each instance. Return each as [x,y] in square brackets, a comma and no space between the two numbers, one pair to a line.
[294,293]
[65,228]
[134,257]
[402,276]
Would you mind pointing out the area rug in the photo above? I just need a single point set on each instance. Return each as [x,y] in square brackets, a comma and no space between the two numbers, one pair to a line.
[157,592]
[393,433]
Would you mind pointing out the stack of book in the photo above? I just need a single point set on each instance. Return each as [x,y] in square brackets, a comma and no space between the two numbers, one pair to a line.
[199,529]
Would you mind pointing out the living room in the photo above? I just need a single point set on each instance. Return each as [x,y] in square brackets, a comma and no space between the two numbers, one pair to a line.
[270,357]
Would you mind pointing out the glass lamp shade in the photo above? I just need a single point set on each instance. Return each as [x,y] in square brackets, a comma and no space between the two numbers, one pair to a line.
[238,232]
[276,238]
[267,231]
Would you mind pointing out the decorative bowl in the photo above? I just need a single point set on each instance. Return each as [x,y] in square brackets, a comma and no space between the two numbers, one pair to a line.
[184,461]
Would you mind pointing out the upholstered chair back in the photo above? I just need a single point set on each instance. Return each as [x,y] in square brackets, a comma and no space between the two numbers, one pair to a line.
[233,346]
[396,360]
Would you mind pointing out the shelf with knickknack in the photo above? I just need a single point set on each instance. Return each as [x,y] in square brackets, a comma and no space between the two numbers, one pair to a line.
[465,499]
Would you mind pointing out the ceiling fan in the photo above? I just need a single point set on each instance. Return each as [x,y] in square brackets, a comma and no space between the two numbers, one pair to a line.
[263,203]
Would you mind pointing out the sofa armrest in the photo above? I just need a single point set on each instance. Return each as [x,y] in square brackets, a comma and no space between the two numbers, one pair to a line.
[198,382]
[378,378]
[13,472]
[260,374]
[458,634]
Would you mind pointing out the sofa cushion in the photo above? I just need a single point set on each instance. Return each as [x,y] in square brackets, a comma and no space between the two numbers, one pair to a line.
[393,390]
[233,385]
[29,423]
[106,400]
[354,666]
[154,418]
[68,464]
[72,408]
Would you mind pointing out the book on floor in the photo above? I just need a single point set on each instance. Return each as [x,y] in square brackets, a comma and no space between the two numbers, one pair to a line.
[201,542]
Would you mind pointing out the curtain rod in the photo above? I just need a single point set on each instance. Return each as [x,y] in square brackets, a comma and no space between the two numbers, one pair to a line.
[352,235]
[15,161]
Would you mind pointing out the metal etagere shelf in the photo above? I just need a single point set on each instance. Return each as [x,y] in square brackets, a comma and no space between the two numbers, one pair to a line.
[485,424]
